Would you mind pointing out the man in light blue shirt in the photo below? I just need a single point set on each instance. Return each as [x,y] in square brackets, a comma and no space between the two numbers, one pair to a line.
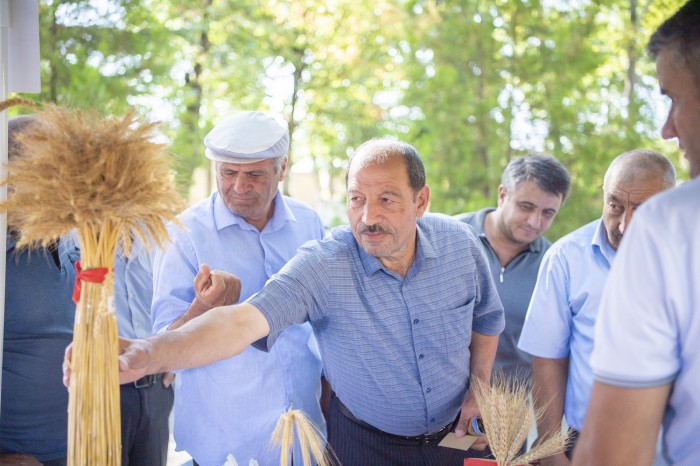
[559,326]
[403,306]
[246,228]
[146,403]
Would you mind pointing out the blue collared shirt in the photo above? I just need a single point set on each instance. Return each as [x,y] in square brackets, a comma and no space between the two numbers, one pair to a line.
[133,291]
[231,407]
[395,349]
[561,318]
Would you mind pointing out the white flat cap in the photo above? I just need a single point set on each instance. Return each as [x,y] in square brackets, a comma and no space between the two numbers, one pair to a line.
[247,137]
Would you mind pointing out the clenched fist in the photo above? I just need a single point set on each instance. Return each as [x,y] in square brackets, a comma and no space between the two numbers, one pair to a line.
[216,288]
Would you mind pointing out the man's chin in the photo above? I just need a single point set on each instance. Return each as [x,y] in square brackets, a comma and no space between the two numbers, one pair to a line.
[527,237]
[373,248]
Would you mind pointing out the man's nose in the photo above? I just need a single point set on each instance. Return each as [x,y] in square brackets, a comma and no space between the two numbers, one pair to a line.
[668,130]
[370,213]
[535,220]
[625,222]
[240,185]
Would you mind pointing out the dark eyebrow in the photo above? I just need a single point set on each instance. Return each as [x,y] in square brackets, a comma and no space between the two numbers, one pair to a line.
[389,192]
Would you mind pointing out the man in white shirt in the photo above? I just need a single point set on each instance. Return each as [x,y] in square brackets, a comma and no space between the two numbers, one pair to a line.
[646,361]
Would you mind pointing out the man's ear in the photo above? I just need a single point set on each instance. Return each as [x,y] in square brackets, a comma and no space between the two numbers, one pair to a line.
[422,200]
[501,195]
[283,169]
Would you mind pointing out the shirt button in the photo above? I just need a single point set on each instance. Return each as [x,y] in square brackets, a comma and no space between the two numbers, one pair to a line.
[420,356]
[427,390]
[415,321]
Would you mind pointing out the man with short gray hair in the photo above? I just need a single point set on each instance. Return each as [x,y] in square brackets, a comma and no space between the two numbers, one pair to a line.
[249,229]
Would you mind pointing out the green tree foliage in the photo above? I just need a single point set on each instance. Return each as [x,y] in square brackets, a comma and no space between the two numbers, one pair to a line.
[471,83]
[98,55]
[495,80]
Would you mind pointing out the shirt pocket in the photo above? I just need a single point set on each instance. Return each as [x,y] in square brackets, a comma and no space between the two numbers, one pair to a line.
[457,328]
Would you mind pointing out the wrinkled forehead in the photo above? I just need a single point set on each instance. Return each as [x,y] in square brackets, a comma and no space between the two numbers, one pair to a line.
[634,186]
[267,164]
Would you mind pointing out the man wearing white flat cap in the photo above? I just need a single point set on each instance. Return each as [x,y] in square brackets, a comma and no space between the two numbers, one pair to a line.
[248,230]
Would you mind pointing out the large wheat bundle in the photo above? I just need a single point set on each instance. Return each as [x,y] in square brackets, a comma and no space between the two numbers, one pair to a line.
[108,180]
[508,418]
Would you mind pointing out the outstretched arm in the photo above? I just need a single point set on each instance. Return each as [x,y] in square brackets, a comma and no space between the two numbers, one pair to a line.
[221,333]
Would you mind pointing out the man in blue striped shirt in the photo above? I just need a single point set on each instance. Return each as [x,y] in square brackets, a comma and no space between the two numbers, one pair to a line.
[402,304]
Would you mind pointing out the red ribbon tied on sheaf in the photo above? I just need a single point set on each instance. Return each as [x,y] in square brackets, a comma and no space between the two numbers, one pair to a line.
[93,275]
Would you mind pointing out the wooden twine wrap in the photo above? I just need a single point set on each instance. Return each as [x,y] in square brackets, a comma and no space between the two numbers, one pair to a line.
[107,180]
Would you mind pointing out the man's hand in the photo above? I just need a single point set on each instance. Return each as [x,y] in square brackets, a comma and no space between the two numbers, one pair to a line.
[67,358]
[168,379]
[133,360]
[214,288]
[469,410]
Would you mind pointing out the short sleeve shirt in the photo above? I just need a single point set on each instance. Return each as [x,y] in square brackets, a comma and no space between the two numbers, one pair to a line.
[648,331]
[395,349]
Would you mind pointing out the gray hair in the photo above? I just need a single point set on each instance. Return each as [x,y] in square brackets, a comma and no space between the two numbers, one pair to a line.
[680,33]
[642,163]
[381,148]
[542,169]
[276,161]
[279,161]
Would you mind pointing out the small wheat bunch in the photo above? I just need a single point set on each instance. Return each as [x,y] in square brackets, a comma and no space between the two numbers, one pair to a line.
[508,418]
[311,439]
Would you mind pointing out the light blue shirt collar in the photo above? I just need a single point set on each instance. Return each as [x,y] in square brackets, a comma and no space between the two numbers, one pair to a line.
[600,243]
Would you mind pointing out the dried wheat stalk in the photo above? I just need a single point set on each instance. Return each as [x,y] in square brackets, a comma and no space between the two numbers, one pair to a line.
[108,180]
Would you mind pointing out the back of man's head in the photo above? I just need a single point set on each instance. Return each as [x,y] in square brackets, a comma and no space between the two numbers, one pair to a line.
[16,126]
[680,34]
[544,170]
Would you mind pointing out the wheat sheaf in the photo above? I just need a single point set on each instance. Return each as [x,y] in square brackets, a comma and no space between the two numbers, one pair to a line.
[106,180]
